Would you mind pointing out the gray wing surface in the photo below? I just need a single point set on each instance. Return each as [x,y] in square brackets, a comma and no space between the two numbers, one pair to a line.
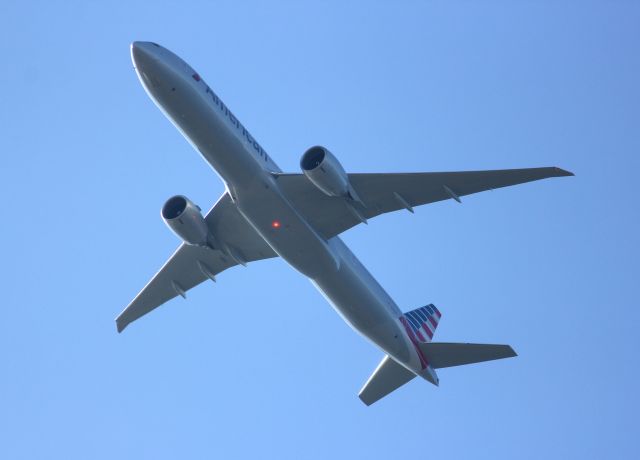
[442,354]
[191,265]
[387,192]
[388,376]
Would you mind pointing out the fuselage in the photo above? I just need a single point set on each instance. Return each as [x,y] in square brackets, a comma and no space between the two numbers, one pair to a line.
[248,173]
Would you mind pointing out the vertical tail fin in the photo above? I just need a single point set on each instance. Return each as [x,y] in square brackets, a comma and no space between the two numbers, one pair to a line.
[423,322]
[420,325]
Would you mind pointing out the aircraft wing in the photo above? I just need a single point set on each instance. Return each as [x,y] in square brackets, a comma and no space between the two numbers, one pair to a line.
[191,265]
[387,192]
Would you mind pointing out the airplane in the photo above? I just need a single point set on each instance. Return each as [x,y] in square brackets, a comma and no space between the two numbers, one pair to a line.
[265,212]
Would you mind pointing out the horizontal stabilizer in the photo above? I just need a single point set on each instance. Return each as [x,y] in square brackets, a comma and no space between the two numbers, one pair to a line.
[388,376]
[441,354]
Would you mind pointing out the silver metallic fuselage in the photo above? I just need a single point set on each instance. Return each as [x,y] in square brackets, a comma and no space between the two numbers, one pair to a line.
[248,173]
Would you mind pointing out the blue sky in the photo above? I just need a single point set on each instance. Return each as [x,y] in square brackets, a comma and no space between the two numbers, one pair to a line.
[259,365]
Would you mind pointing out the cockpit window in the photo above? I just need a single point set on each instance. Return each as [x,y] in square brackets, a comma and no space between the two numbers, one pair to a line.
[155,44]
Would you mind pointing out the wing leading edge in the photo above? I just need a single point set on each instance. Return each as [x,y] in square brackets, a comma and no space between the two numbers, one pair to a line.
[382,193]
[191,265]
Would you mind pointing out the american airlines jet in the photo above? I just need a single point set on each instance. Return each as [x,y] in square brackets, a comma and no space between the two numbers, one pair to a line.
[265,213]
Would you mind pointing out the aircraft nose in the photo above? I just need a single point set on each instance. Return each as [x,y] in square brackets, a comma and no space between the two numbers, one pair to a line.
[142,53]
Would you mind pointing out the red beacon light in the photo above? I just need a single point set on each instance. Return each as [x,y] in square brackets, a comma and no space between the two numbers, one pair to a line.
[276,224]
[196,77]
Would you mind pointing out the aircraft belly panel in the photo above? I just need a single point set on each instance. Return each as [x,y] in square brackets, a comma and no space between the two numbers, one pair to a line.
[284,230]
[365,306]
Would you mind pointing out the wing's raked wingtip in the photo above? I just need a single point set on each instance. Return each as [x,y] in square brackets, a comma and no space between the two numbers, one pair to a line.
[120,326]
[364,400]
[564,172]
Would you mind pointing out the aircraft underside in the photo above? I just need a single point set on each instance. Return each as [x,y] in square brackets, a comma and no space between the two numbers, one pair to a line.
[299,216]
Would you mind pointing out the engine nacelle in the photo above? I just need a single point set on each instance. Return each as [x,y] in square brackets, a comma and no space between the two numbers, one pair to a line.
[326,172]
[185,220]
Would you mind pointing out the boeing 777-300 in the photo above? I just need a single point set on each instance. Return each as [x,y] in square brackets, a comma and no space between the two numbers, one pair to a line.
[265,213]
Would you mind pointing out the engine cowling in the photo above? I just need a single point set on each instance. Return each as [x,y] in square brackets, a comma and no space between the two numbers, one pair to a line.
[325,172]
[185,220]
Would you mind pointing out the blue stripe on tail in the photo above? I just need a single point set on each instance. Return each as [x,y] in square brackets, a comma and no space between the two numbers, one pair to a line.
[421,319]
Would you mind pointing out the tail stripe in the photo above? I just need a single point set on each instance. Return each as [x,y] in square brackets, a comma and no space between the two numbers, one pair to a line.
[423,322]
[415,319]
[422,315]
[427,325]
[423,361]
[411,321]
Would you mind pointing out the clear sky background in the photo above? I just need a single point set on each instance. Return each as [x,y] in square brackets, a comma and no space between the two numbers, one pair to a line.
[259,365]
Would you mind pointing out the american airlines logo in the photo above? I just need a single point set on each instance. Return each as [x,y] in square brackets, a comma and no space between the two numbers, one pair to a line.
[234,121]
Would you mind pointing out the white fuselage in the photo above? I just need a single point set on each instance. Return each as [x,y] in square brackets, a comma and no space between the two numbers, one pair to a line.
[247,171]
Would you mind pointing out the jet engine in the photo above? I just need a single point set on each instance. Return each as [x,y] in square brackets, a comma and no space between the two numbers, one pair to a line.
[325,172]
[185,220]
